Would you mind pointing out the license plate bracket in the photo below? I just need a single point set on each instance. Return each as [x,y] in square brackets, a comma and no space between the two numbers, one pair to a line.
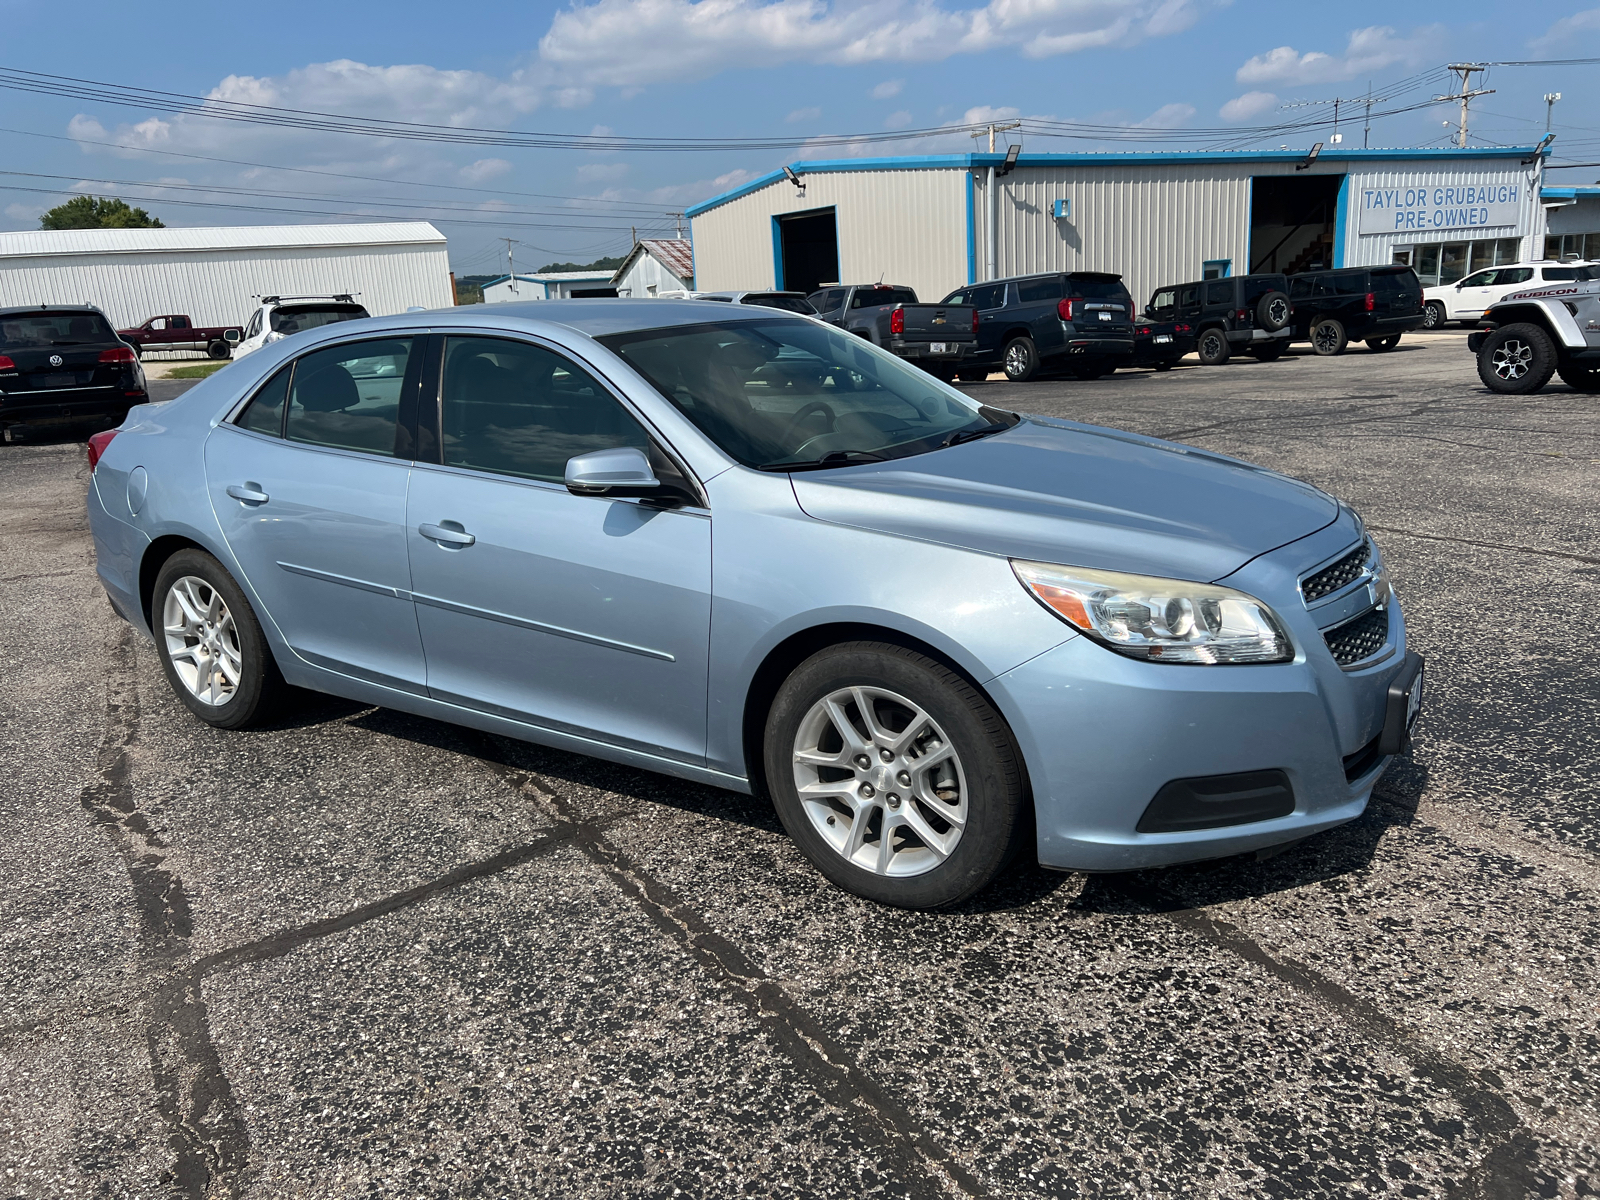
[1403,705]
[938,347]
[63,379]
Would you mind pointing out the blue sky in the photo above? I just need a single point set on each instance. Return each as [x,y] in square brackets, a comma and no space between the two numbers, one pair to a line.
[1182,73]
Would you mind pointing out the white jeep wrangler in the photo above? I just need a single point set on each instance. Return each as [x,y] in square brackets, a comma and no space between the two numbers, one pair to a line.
[1542,331]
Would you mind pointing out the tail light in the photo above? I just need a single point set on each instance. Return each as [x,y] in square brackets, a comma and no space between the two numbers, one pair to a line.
[1064,309]
[117,354]
[6,364]
[1372,301]
[1143,331]
[897,321]
[1182,328]
[974,320]
[97,446]
[1243,314]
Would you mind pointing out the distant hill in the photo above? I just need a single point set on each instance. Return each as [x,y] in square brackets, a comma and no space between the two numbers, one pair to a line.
[599,264]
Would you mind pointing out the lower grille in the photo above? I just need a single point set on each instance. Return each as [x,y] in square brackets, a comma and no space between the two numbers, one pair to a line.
[1363,760]
[1360,638]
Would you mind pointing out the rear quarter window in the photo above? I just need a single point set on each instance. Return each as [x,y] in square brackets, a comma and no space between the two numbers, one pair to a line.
[1030,290]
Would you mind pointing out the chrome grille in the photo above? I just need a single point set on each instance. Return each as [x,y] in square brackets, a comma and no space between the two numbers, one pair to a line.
[1358,639]
[1341,574]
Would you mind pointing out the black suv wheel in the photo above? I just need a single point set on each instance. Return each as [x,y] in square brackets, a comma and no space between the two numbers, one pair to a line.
[1213,347]
[1328,337]
[1516,359]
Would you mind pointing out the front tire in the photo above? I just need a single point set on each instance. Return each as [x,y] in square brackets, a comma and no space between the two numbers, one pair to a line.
[894,776]
[1579,378]
[1516,359]
[1329,338]
[1433,315]
[1021,360]
[1269,352]
[211,647]
[1213,349]
[1383,343]
[972,376]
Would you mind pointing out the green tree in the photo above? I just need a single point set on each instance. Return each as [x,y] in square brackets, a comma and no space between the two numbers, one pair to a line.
[599,264]
[91,212]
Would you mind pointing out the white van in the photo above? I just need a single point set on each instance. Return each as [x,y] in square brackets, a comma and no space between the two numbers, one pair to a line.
[1466,300]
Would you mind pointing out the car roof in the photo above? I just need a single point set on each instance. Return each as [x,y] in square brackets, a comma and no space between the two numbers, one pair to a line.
[25,309]
[599,316]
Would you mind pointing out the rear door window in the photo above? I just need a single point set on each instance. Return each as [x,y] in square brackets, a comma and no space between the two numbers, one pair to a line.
[990,296]
[1219,291]
[1033,290]
[348,397]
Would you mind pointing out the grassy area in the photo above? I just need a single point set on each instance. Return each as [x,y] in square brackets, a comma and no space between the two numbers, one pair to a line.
[198,371]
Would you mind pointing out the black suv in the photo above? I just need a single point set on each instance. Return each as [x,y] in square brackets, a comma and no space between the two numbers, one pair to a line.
[1371,304]
[63,365]
[1242,312]
[1078,321]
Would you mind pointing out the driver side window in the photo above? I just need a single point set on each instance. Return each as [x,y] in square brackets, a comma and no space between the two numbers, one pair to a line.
[348,397]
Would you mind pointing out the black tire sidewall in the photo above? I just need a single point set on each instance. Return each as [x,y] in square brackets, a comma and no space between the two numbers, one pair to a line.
[252,699]
[1220,356]
[990,763]
[1544,364]
[1433,315]
[1032,353]
[1578,378]
[1340,342]
[1264,308]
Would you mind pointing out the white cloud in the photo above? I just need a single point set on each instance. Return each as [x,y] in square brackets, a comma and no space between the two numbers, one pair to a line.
[484,170]
[1375,48]
[1251,104]
[888,88]
[602,172]
[804,114]
[621,43]
[898,120]
[1562,31]
[1168,116]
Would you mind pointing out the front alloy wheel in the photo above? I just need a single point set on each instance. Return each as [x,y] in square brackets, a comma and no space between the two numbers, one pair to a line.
[1516,359]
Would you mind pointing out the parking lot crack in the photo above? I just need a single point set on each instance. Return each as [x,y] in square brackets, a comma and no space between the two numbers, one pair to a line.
[1508,547]
[915,1157]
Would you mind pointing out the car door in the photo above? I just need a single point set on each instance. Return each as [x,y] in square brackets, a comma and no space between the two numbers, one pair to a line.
[582,614]
[311,495]
[1038,301]
[1472,295]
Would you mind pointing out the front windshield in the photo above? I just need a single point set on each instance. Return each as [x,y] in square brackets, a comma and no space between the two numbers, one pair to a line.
[778,391]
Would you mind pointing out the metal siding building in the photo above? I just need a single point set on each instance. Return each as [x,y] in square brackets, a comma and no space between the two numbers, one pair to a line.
[214,275]
[551,285]
[1155,218]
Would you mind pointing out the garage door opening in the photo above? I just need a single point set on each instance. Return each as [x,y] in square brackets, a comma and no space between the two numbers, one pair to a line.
[1292,222]
[808,250]
[605,293]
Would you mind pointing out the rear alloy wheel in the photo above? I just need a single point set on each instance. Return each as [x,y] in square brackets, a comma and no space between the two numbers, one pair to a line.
[1383,343]
[1433,315]
[1516,359]
[1328,337]
[211,647]
[1021,360]
[1579,378]
[894,775]
[1213,348]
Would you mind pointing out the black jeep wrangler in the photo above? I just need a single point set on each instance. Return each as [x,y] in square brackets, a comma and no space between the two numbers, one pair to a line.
[1248,313]
[1371,304]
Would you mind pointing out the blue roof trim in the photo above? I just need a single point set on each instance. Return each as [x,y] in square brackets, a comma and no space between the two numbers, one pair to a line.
[965,162]
[1569,193]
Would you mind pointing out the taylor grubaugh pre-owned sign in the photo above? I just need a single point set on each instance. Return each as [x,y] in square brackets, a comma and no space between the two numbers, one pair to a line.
[1439,206]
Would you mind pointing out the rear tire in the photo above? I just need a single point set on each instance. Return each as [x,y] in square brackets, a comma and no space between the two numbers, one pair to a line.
[1270,352]
[1516,359]
[1384,343]
[1021,360]
[219,349]
[1087,371]
[210,643]
[1213,348]
[1329,338]
[1433,315]
[1579,378]
[972,376]
[953,825]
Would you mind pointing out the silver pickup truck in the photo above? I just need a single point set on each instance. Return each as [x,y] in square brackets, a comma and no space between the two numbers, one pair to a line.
[1533,334]
[934,336]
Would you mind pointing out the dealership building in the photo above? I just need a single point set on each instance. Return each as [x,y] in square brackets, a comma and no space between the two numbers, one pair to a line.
[936,223]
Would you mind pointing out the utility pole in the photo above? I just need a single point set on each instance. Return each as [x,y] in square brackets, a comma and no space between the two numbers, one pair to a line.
[1366,129]
[994,129]
[1550,99]
[991,269]
[677,220]
[1465,95]
[511,267]
[1337,137]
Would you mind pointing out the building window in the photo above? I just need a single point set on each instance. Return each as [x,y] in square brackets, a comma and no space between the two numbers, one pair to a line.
[1584,246]
[1449,262]
[1216,268]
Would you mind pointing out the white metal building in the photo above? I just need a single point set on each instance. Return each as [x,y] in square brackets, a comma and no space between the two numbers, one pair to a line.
[939,222]
[1574,217]
[656,265]
[213,276]
[551,285]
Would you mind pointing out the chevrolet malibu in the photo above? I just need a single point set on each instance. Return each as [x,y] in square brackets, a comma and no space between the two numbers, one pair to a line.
[744,548]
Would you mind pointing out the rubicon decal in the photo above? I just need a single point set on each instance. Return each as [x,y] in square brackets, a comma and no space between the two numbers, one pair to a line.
[1544,294]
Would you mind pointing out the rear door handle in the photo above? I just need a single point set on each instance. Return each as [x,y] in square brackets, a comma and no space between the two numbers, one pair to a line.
[446,536]
[250,493]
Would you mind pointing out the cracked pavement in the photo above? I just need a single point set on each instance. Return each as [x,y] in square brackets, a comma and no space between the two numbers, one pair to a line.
[361,953]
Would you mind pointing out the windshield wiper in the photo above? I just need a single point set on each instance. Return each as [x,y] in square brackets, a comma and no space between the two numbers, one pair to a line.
[834,458]
[968,435]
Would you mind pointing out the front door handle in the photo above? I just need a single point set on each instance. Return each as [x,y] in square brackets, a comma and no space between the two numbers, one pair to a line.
[249,493]
[447,536]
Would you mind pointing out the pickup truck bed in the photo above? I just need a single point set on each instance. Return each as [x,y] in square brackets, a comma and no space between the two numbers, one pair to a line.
[934,336]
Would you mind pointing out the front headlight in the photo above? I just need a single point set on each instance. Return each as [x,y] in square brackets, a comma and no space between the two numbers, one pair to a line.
[1161,620]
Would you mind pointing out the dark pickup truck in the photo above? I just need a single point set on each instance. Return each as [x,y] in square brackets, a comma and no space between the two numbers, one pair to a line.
[934,336]
[176,332]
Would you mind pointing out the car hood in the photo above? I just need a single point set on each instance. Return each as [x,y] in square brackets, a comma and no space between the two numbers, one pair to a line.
[1058,491]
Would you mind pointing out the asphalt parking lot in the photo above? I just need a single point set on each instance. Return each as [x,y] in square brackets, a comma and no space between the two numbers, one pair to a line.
[362,953]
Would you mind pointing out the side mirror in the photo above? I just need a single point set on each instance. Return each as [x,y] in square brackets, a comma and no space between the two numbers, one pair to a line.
[622,471]
[231,335]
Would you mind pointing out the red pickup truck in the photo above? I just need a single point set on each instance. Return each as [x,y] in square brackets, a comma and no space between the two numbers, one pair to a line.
[176,332]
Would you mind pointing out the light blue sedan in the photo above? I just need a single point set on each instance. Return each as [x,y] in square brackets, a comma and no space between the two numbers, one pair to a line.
[744,548]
